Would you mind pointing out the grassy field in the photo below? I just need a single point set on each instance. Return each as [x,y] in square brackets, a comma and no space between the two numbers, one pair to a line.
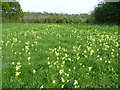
[59,56]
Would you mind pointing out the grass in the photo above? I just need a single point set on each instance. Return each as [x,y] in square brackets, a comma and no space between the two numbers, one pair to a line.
[59,56]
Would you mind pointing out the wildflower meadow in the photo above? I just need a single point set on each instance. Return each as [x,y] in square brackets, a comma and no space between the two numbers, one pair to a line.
[59,56]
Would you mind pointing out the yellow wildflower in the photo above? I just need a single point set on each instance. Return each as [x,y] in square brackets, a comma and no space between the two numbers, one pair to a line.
[62,79]
[53,81]
[90,68]
[75,82]
[34,71]
[17,73]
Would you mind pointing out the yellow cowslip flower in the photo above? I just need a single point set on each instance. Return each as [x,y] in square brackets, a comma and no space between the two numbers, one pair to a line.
[69,59]
[19,53]
[77,86]
[113,50]
[91,52]
[2,41]
[34,71]
[80,64]
[88,48]
[48,62]
[32,45]
[26,47]
[93,39]
[48,58]
[27,42]
[63,62]
[74,67]
[100,59]
[29,58]
[23,49]
[78,58]
[112,55]
[66,55]
[57,54]
[0,48]
[98,55]
[14,39]
[6,44]
[61,71]
[85,51]
[85,56]
[17,67]
[61,65]
[77,54]
[117,44]
[29,53]
[13,63]
[75,82]
[109,61]
[18,63]
[67,75]
[90,68]
[53,81]
[69,70]
[35,42]
[50,66]
[62,86]
[57,66]
[41,86]
[17,73]
[83,65]
[57,58]
[107,46]
[68,80]
[55,63]
[15,53]
[62,79]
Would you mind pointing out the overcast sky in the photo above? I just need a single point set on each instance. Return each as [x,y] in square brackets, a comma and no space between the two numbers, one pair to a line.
[59,6]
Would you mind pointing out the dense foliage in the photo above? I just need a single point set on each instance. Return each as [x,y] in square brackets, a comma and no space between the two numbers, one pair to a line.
[45,17]
[11,12]
[104,13]
[107,13]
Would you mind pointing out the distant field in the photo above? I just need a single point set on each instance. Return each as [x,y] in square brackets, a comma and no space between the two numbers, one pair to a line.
[59,56]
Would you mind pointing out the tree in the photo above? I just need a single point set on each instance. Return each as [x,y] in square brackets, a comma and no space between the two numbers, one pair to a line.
[106,13]
[90,18]
[11,12]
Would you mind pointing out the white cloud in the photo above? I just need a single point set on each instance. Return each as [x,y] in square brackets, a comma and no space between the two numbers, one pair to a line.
[67,6]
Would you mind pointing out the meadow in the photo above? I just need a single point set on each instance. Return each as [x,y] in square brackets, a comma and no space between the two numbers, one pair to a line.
[59,56]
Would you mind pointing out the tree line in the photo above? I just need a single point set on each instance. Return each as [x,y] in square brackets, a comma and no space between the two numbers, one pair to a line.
[103,13]
[106,13]
[45,17]
[11,12]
